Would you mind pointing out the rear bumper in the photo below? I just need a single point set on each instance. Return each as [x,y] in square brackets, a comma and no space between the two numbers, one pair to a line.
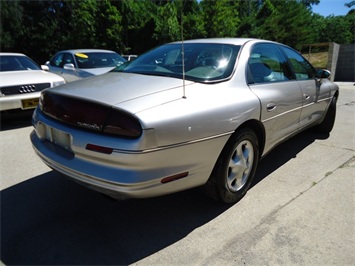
[134,175]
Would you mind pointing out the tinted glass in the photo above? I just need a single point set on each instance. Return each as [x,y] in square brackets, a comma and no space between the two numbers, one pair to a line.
[57,60]
[68,59]
[97,60]
[201,62]
[17,63]
[267,64]
[302,68]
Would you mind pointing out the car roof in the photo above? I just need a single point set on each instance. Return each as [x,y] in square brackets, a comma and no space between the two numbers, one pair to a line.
[13,54]
[235,41]
[75,51]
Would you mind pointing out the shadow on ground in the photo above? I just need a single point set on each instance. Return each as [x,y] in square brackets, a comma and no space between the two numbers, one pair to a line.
[15,119]
[285,152]
[49,220]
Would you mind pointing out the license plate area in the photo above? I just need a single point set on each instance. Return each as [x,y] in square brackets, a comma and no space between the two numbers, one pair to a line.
[55,136]
[29,103]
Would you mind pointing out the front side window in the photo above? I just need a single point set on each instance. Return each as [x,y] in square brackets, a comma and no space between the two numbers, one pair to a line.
[200,62]
[267,64]
[57,60]
[302,68]
[68,59]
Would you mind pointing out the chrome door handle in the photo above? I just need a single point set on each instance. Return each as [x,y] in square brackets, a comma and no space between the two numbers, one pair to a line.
[306,96]
[270,107]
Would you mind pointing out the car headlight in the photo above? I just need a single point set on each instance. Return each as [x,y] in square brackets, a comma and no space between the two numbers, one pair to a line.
[57,83]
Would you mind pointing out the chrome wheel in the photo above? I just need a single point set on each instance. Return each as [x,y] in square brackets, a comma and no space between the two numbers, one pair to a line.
[240,165]
[235,167]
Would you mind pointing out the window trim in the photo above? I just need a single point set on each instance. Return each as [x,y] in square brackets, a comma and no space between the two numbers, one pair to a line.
[249,77]
[282,47]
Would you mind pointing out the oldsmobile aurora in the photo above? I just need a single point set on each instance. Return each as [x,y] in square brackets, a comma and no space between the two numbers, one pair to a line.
[197,113]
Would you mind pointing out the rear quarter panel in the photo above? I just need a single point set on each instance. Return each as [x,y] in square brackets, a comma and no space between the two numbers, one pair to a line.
[207,111]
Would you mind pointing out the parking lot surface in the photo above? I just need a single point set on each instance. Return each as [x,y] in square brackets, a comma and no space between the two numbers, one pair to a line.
[299,211]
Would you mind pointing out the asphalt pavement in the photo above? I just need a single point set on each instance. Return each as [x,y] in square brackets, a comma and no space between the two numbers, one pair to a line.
[299,211]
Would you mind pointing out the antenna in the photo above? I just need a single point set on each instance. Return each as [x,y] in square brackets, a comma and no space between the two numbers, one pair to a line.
[182,51]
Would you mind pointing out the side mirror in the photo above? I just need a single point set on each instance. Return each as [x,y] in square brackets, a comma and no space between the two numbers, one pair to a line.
[45,67]
[69,67]
[323,74]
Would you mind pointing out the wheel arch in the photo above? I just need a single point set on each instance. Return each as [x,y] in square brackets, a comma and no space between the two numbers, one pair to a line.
[259,130]
[336,95]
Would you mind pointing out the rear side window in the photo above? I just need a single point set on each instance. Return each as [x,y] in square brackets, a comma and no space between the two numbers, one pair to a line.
[267,64]
[302,68]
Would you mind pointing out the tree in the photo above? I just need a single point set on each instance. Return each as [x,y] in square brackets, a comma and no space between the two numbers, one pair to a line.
[221,18]
[309,3]
[11,16]
[39,29]
[337,29]
[167,26]
[138,23]
[284,21]
[190,18]
[350,4]
[108,29]
[248,10]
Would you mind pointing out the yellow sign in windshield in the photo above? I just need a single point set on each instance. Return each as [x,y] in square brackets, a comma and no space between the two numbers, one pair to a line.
[82,55]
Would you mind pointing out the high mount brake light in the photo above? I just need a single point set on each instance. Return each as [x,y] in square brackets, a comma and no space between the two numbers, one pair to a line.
[90,115]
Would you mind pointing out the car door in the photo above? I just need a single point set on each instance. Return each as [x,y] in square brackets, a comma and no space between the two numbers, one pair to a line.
[271,80]
[315,95]
[56,65]
[69,71]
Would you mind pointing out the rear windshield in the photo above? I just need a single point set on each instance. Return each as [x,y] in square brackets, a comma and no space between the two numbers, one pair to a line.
[17,63]
[201,62]
[97,60]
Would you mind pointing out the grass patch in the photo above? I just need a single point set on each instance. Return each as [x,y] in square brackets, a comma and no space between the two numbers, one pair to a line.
[318,60]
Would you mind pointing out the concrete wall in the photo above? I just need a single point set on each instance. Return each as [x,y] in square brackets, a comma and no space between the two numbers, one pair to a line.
[333,54]
[344,70]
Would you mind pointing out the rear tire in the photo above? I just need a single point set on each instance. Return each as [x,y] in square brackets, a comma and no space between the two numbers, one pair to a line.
[235,168]
[328,122]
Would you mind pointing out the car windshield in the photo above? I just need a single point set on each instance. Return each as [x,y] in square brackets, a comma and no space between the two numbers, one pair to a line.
[203,62]
[17,63]
[98,60]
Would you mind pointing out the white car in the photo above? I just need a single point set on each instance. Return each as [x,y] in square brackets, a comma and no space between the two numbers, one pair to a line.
[21,82]
[82,63]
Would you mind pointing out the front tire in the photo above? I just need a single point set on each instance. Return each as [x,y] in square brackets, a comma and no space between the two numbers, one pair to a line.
[235,167]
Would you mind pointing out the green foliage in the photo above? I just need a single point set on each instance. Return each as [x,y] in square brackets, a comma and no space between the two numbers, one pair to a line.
[284,21]
[333,25]
[10,32]
[221,18]
[39,28]
[167,27]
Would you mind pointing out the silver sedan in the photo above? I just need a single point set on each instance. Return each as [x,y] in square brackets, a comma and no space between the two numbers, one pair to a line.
[183,115]
[82,63]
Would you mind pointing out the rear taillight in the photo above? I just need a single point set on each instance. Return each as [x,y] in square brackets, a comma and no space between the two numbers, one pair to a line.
[119,123]
[90,115]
